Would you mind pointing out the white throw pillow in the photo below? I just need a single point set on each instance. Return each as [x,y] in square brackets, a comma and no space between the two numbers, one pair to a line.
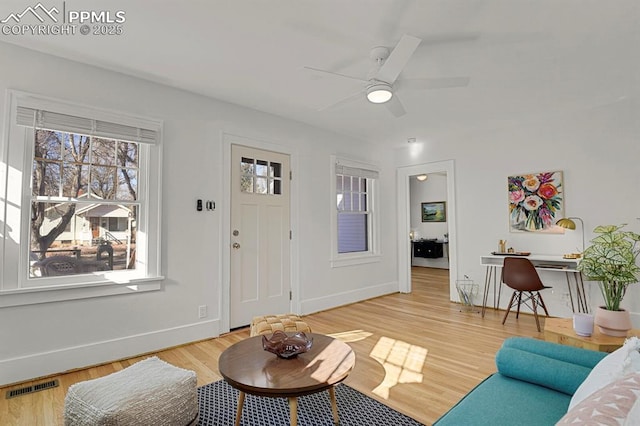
[614,404]
[617,364]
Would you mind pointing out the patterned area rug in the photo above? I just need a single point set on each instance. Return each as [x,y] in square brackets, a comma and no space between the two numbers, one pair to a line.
[218,408]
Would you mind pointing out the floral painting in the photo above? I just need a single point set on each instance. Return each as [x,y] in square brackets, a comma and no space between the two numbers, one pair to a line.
[535,202]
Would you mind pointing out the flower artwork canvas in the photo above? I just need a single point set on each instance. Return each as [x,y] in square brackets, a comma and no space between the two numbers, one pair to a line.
[536,202]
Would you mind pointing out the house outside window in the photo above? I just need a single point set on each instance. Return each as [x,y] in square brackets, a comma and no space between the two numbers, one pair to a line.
[354,219]
[87,209]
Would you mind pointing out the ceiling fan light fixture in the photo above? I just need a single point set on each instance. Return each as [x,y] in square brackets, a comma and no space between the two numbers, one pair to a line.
[379,93]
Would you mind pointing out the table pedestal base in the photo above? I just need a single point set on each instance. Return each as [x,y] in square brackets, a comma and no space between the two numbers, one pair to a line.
[293,408]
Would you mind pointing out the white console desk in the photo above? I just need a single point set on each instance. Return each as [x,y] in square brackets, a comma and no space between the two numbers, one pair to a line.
[542,262]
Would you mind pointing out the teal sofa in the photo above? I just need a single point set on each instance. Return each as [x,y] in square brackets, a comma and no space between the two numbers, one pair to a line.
[533,385]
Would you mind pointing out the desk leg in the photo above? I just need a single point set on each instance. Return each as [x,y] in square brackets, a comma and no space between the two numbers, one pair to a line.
[491,274]
[485,295]
[580,287]
[499,284]
[573,308]
[334,405]
[581,295]
[239,409]
[293,411]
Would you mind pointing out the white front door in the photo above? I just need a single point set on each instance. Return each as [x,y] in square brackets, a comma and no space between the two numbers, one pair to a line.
[260,234]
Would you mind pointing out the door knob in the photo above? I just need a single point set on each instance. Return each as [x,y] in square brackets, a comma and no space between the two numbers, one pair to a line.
[236,246]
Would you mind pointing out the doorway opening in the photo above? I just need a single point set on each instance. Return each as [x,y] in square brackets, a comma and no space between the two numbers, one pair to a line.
[439,215]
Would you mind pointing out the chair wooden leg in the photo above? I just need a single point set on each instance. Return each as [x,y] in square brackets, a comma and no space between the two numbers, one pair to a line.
[509,308]
[541,302]
[534,305]
[519,302]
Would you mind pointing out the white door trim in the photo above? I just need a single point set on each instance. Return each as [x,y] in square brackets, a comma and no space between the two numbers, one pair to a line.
[229,139]
[404,222]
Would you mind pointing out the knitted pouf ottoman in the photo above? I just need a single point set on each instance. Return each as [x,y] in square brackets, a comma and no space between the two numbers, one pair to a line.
[286,322]
[150,392]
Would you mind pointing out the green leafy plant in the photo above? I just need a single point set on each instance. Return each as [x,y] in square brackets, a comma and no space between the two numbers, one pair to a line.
[611,260]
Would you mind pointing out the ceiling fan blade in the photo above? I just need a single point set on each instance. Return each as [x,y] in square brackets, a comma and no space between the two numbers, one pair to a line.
[335,74]
[396,61]
[344,101]
[395,106]
[433,83]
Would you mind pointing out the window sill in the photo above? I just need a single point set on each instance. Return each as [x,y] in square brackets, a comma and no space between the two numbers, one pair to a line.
[36,295]
[354,260]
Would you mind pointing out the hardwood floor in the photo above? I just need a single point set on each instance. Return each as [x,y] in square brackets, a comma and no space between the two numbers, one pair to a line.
[418,353]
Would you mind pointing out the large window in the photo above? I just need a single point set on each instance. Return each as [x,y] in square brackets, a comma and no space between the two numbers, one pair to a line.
[86,209]
[84,193]
[354,221]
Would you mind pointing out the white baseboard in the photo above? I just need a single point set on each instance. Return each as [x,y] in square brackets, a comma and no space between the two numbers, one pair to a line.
[340,299]
[47,363]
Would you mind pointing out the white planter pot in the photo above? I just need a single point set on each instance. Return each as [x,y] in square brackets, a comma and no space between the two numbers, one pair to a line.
[583,324]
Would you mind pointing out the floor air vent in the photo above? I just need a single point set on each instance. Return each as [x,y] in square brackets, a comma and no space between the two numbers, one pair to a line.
[31,389]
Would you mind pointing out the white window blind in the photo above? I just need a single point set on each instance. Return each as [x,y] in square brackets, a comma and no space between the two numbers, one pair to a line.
[356,171]
[43,119]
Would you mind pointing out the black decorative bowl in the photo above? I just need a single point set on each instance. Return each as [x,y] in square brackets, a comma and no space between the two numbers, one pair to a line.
[286,346]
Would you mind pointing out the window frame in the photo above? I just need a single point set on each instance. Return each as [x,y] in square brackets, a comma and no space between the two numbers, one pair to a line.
[16,158]
[373,229]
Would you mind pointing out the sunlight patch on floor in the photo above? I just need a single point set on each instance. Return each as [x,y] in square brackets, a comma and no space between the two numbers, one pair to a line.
[351,336]
[402,363]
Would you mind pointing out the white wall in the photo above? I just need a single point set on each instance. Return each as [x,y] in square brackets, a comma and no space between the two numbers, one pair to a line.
[596,147]
[36,340]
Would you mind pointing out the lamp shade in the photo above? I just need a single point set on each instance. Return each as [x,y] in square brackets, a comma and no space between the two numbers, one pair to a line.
[566,223]
[379,93]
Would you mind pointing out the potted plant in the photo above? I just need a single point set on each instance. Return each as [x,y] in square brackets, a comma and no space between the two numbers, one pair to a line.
[611,260]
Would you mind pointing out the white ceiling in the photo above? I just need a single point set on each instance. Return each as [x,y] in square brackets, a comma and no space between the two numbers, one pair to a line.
[525,59]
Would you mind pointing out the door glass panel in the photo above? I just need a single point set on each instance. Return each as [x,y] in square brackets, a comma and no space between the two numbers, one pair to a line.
[261,185]
[246,166]
[260,176]
[276,170]
[276,187]
[246,184]
[261,168]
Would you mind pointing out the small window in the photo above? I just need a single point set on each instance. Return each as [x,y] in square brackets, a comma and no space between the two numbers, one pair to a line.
[354,221]
[353,215]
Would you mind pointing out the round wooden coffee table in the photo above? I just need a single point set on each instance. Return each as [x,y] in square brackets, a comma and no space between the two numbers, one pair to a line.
[250,369]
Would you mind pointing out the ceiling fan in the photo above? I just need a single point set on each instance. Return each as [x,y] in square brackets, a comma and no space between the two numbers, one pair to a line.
[381,84]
